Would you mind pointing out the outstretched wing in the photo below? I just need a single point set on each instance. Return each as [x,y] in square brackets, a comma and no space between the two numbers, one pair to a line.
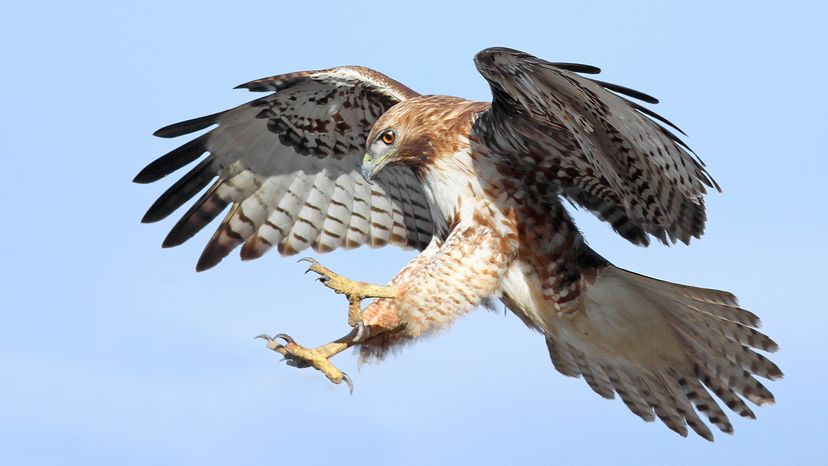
[288,164]
[603,151]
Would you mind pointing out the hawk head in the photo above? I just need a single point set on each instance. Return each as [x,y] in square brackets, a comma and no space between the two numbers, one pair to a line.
[414,132]
[383,149]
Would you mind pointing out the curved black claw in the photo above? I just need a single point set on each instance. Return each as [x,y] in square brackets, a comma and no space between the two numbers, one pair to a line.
[309,260]
[287,338]
[349,382]
[264,336]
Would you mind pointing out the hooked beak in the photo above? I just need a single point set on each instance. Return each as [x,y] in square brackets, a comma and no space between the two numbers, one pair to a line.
[371,166]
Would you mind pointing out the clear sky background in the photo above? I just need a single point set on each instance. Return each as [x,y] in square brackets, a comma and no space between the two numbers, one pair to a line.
[114,351]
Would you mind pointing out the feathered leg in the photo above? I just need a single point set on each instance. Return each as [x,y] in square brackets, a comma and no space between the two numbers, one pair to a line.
[444,282]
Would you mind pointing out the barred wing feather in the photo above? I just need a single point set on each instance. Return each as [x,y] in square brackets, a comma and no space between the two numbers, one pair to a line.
[288,165]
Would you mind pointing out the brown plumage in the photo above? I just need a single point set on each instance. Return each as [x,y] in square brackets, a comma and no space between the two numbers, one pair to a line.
[478,188]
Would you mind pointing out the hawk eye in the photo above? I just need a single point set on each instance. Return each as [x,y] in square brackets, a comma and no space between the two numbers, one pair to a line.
[388,137]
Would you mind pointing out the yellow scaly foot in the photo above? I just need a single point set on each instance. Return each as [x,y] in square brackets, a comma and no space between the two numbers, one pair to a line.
[355,291]
[297,355]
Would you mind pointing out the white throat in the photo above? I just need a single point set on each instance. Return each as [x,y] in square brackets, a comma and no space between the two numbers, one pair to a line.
[452,188]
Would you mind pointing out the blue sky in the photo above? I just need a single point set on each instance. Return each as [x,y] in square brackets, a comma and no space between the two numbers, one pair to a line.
[114,351]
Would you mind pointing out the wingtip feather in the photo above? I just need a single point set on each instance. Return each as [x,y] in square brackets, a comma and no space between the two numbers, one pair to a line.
[187,126]
[578,68]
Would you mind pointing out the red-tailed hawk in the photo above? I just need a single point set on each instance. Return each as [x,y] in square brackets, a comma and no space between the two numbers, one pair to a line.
[343,157]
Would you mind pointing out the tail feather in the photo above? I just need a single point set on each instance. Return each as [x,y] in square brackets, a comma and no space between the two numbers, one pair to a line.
[715,302]
[631,396]
[561,358]
[713,356]
[664,408]
[732,362]
[602,379]
[729,352]
[729,329]
[741,382]
[589,371]
[703,402]
[661,346]
[724,392]
[684,407]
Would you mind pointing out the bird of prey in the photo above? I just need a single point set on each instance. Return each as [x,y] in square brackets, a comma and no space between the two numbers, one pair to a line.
[344,157]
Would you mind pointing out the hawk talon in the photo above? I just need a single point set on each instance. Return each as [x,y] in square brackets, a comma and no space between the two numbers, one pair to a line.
[348,382]
[353,290]
[295,355]
[309,260]
[288,339]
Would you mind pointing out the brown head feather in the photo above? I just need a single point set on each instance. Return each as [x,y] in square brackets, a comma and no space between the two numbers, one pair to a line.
[428,127]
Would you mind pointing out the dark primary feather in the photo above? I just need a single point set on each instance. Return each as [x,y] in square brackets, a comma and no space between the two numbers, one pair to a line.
[577,67]
[204,211]
[182,191]
[627,91]
[173,160]
[186,127]
[655,115]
